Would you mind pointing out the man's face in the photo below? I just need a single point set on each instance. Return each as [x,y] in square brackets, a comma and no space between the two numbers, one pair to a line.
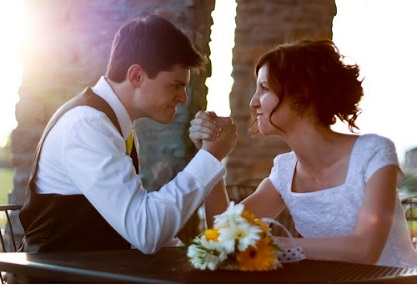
[158,98]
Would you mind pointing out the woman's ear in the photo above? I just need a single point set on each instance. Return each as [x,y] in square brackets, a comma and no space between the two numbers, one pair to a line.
[135,75]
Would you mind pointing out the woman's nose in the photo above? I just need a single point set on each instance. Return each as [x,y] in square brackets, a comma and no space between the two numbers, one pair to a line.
[254,102]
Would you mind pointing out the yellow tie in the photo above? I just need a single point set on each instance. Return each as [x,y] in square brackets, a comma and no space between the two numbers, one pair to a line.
[129,142]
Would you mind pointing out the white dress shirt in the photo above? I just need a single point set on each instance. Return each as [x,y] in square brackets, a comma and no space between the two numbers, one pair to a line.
[85,154]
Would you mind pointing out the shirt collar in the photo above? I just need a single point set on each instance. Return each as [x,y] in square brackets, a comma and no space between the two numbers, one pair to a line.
[104,90]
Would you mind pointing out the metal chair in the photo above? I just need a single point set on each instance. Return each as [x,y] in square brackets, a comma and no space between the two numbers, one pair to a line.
[7,236]
[409,203]
[6,209]
[238,192]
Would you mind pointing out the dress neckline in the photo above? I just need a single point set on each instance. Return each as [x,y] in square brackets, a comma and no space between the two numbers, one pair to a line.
[347,176]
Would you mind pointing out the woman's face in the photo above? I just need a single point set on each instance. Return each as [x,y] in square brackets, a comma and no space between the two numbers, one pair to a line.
[273,116]
[264,101]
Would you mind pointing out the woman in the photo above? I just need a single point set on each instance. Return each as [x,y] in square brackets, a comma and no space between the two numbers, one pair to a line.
[339,188]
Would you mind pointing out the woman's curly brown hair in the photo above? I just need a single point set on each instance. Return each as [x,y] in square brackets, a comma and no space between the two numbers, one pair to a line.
[314,72]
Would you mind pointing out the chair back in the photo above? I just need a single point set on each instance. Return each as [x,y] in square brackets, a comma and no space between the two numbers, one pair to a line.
[6,232]
[7,235]
[238,192]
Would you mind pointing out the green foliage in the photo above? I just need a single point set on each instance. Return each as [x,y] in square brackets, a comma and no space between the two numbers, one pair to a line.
[5,155]
[6,184]
[409,182]
[409,185]
[412,225]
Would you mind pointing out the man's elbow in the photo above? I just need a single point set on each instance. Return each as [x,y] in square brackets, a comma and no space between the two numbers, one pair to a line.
[148,247]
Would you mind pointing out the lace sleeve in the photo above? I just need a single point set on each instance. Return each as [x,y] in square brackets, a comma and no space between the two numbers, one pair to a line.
[282,172]
[382,153]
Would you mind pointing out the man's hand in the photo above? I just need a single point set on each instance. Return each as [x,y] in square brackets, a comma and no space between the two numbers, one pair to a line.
[215,134]
[225,142]
[204,127]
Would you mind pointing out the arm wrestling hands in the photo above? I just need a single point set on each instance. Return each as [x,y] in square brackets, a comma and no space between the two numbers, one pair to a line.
[217,135]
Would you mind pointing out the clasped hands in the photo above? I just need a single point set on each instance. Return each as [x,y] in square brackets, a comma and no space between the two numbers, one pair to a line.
[217,135]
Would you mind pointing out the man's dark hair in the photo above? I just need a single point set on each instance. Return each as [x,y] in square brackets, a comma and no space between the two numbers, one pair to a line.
[155,44]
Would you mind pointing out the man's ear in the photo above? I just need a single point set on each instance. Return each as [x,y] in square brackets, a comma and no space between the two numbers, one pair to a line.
[135,75]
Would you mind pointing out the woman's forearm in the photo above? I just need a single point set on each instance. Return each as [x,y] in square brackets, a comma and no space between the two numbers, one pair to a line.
[216,202]
[351,248]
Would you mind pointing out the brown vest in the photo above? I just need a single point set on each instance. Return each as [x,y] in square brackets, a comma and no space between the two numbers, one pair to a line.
[54,222]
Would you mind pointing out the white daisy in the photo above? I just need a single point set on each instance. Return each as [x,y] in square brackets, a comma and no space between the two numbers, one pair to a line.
[241,235]
[211,244]
[232,215]
[203,258]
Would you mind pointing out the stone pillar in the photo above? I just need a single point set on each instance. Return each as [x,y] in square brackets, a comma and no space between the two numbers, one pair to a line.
[260,25]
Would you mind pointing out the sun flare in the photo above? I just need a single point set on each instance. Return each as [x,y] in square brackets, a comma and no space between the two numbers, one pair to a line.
[11,30]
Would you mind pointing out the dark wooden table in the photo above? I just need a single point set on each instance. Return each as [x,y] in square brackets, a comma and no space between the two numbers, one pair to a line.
[170,265]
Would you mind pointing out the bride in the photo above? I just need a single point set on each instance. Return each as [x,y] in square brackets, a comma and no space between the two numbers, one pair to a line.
[341,189]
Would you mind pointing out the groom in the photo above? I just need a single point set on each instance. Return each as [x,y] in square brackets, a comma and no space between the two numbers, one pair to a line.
[85,192]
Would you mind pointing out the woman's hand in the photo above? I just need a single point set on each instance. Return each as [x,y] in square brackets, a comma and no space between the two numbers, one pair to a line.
[204,127]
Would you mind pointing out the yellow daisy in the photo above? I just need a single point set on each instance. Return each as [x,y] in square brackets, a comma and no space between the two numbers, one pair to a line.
[212,234]
[259,258]
[249,217]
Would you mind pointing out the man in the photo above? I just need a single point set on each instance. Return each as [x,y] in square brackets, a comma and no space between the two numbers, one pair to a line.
[85,193]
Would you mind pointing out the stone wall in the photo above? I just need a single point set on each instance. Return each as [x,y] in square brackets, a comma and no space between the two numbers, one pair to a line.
[68,47]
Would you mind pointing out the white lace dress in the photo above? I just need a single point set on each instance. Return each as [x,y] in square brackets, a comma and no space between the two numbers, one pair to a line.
[333,212]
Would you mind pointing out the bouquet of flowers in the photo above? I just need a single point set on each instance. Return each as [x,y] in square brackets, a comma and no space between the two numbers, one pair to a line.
[238,241]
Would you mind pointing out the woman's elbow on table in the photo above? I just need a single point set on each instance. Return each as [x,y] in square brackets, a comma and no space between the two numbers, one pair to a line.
[367,253]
